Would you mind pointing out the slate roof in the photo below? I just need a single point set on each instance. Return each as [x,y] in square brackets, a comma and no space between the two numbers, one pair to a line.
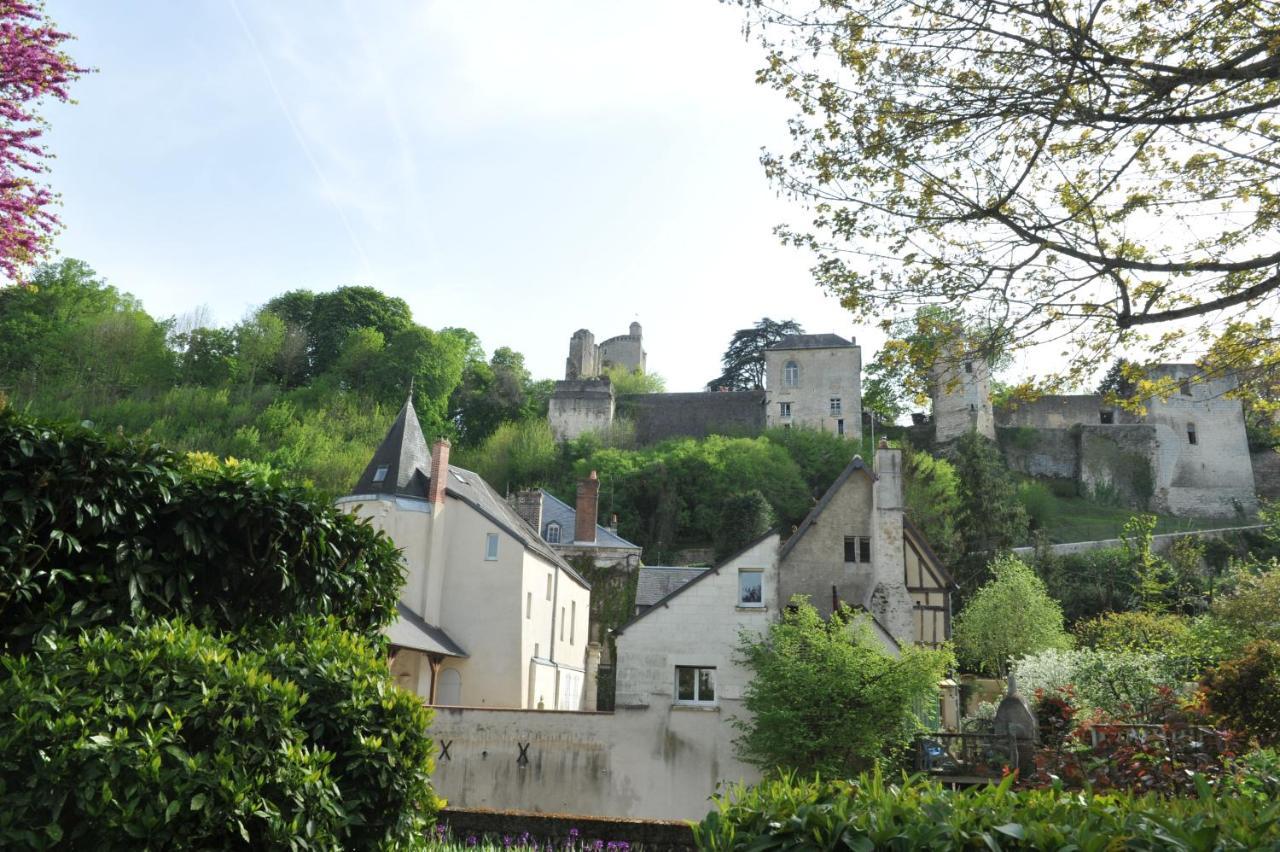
[408,460]
[812,518]
[411,630]
[405,455]
[657,581]
[812,341]
[560,512]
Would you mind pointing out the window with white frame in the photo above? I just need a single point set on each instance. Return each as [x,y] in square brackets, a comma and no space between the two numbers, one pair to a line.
[857,548]
[835,406]
[784,409]
[553,533]
[695,685]
[750,587]
[791,374]
[491,547]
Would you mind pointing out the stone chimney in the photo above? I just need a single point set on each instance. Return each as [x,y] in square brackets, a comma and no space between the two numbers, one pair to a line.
[529,507]
[439,472]
[584,528]
[890,601]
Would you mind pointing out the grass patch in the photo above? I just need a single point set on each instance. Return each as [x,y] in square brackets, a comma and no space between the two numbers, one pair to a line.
[1068,519]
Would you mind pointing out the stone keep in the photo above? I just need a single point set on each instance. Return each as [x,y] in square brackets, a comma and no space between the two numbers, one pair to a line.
[962,399]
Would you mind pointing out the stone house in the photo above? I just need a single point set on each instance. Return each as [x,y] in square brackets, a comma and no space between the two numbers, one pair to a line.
[815,381]
[489,615]
[857,547]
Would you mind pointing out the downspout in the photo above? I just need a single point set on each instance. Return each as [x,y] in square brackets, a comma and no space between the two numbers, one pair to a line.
[555,605]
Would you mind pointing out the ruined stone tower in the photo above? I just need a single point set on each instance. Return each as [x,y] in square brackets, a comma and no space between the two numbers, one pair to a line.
[962,397]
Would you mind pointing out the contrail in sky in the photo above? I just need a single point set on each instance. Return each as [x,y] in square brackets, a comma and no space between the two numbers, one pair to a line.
[302,142]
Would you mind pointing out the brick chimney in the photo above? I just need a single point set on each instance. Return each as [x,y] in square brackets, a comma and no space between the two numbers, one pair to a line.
[439,472]
[529,507]
[584,528]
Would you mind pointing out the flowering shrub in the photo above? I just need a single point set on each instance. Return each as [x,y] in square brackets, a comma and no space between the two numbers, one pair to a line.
[1121,684]
[1055,715]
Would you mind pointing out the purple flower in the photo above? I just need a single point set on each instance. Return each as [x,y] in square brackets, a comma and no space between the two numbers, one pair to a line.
[599,844]
[471,840]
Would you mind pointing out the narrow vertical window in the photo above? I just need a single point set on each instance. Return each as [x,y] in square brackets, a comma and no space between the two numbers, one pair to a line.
[548,587]
[561,624]
[850,548]
[528,604]
[1191,433]
[573,620]
[864,549]
[791,374]
[840,426]
[491,547]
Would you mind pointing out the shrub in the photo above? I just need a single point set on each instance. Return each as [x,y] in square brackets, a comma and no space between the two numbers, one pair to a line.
[1245,692]
[1089,584]
[870,813]
[1124,685]
[1253,607]
[163,733]
[1181,641]
[98,532]
[826,695]
[1010,616]
[1037,500]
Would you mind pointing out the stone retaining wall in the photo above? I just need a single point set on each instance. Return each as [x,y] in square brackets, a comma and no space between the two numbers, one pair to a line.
[657,835]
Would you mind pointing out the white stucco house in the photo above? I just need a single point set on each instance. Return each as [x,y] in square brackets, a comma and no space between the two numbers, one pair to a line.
[489,615]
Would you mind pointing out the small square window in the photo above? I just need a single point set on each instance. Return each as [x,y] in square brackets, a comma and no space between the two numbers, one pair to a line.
[1107,417]
[1185,387]
[784,409]
[750,587]
[380,474]
[857,548]
[835,406]
[695,685]
[491,547]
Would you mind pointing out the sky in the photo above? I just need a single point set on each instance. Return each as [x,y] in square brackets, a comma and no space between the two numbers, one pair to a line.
[520,169]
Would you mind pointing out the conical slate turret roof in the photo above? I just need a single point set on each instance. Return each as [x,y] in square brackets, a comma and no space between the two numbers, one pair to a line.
[402,462]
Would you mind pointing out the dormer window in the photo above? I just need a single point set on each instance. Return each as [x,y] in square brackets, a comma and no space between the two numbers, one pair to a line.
[553,533]
[380,474]
[791,374]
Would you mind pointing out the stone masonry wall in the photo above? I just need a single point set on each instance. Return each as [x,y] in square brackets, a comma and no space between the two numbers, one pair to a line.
[1266,474]
[1044,453]
[659,416]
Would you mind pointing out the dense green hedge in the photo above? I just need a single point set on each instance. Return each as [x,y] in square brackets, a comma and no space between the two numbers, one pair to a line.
[190,656]
[869,814]
[99,532]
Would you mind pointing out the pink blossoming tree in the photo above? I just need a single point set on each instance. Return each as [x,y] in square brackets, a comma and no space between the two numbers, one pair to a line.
[32,67]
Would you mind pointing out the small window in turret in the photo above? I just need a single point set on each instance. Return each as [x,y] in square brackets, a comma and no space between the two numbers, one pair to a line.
[1185,387]
[1191,433]
[968,366]
[1107,417]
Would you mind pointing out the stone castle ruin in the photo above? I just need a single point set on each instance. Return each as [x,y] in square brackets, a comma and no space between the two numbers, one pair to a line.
[1187,455]
[812,380]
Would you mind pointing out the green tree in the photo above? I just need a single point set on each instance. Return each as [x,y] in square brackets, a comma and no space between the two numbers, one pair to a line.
[206,356]
[260,341]
[1245,692]
[743,519]
[931,493]
[491,393]
[1011,616]
[1040,163]
[991,518]
[634,381]
[336,314]
[826,696]
[743,360]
